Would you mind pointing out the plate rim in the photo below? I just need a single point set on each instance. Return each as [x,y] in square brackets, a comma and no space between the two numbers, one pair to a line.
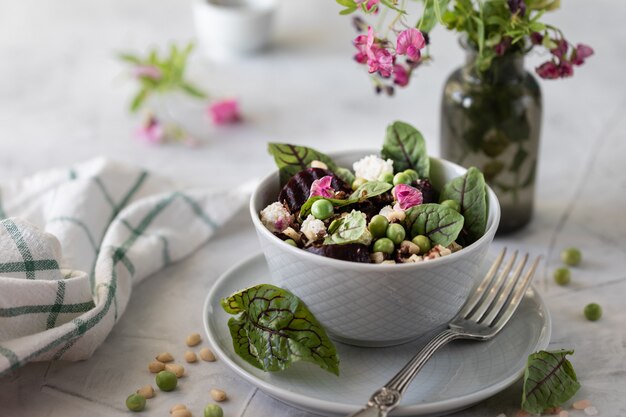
[309,403]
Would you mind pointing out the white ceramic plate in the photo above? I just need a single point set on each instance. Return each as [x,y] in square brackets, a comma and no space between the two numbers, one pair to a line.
[458,376]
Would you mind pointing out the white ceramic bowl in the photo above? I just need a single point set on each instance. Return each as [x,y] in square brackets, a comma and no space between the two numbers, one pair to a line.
[375,304]
[229,29]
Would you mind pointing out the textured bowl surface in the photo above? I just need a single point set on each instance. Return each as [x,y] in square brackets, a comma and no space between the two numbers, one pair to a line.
[371,304]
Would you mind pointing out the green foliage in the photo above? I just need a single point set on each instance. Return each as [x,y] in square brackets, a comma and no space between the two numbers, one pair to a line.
[439,223]
[350,229]
[273,328]
[171,70]
[406,146]
[549,381]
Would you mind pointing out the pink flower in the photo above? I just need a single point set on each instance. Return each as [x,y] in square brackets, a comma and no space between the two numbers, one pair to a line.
[147,71]
[548,70]
[400,75]
[566,69]
[561,49]
[536,38]
[151,131]
[379,59]
[407,196]
[360,42]
[224,111]
[369,4]
[409,43]
[582,52]
[322,187]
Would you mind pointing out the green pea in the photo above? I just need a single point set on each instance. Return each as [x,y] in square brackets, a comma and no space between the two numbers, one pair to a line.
[358,182]
[291,242]
[384,245]
[401,178]
[562,276]
[322,209]
[571,256]
[166,380]
[451,204]
[378,225]
[423,242]
[412,174]
[136,402]
[386,177]
[213,410]
[593,312]
[396,233]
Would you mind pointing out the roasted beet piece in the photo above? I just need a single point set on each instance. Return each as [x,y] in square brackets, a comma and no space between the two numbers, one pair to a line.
[429,194]
[353,252]
[296,192]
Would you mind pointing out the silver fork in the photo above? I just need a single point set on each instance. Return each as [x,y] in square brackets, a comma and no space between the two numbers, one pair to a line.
[482,316]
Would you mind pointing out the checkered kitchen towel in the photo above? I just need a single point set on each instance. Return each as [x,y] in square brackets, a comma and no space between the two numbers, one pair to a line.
[73,242]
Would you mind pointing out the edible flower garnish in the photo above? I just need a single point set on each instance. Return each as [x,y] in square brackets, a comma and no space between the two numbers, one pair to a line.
[407,196]
[322,187]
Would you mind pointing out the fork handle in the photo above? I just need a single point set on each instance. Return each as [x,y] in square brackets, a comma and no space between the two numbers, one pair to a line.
[388,397]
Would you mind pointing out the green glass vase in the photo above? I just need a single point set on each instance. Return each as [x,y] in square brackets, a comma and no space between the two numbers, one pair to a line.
[491,120]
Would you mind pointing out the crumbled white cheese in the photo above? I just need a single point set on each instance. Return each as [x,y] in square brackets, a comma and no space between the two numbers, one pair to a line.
[276,217]
[392,214]
[313,228]
[372,167]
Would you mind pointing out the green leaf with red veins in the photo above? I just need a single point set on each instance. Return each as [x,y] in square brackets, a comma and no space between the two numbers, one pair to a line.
[549,381]
[440,224]
[274,328]
[406,146]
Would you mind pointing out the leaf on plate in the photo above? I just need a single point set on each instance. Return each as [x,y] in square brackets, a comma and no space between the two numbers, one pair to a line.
[470,191]
[439,223]
[291,159]
[350,229]
[274,328]
[406,146]
[549,380]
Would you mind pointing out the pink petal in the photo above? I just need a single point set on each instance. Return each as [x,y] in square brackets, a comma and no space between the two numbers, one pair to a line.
[548,70]
[400,75]
[151,132]
[322,187]
[224,111]
[409,43]
[407,196]
[147,71]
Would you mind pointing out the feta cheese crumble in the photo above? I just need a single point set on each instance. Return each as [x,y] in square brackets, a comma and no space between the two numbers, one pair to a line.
[276,217]
[372,167]
[313,228]
[392,214]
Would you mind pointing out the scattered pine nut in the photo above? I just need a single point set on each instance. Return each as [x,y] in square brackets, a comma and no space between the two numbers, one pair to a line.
[207,355]
[155,367]
[147,391]
[193,339]
[218,395]
[190,357]
[177,369]
[591,411]
[182,412]
[501,415]
[581,404]
[164,357]
[563,413]
[178,407]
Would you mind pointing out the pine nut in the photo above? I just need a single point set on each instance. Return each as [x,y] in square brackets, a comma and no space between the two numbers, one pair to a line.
[177,369]
[164,357]
[207,355]
[190,357]
[155,367]
[147,391]
[193,339]
[218,395]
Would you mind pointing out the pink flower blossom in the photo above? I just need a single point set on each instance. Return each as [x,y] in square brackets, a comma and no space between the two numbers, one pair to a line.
[369,4]
[400,75]
[561,49]
[566,69]
[151,131]
[582,52]
[147,71]
[407,196]
[536,38]
[360,42]
[322,187]
[379,59]
[224,111]
[548,70]
[409,43]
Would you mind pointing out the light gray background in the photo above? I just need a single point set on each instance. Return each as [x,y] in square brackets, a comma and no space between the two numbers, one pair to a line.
[63,97]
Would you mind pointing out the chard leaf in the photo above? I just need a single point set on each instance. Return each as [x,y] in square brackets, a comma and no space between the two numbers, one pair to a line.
[345,174]
[291,159]
[405,145]
[370,189]
[470,192]
[350,229]
[439,223]
[274,328]
[549,380]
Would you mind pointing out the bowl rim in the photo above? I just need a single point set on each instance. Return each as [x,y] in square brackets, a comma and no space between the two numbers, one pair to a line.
[433,263]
